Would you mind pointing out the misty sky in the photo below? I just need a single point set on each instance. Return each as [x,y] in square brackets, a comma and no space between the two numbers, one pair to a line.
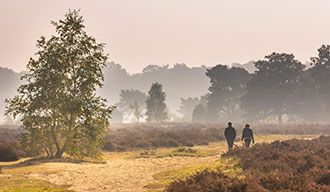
[196,32]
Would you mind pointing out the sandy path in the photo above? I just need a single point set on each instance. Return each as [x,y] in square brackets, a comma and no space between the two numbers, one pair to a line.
[116,175]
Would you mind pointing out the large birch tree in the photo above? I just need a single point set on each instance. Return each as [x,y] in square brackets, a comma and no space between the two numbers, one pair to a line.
[58,106]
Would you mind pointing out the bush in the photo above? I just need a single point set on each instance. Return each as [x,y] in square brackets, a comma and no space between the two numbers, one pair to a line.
[209,181]
[143,144]
[128,137]
[172,143]
[8,152]
[154,136]
[293,165]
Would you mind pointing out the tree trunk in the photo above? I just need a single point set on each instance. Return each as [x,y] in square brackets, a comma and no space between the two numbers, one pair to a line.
[59,154]
[48,154]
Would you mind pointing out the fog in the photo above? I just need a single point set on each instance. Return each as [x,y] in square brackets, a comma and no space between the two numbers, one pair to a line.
[277,88]
[215,61]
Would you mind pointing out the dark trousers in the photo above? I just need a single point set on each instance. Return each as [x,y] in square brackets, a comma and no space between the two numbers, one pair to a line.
[230,143]
[247,142]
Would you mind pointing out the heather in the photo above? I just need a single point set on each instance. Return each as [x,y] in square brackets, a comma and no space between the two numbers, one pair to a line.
[292,165]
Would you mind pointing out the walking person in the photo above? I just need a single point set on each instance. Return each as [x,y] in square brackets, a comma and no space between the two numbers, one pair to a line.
[230,135]
[247,135]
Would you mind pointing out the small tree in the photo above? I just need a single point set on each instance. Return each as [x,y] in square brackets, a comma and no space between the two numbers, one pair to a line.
[187,107]
[58,105]
[137,112]
[129,96]
[199,114]
[156,107]
[131,102]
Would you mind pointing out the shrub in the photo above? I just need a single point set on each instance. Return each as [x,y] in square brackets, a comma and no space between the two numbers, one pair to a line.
[154,136]
[172,143]
[8,152]
[209,181]
[143,144]
[293,165]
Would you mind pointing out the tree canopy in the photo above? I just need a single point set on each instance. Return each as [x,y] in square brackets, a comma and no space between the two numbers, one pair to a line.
[187,107]
[227,86]
[156,107]
[132,102]
[58,106]
[199,114]
[319,89]
[273,89]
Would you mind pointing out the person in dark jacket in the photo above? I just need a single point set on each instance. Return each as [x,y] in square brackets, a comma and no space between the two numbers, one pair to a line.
[247,135]
[230,135]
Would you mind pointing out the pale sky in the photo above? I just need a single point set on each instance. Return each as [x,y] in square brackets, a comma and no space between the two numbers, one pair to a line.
[195,32]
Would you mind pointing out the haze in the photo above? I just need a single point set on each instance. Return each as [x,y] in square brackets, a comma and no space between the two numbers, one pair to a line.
[195,32]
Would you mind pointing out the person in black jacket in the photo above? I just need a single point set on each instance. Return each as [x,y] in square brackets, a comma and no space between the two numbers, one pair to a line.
[247,135]
[230,135]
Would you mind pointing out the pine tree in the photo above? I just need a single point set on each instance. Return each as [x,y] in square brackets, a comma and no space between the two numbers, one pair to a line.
[156,107]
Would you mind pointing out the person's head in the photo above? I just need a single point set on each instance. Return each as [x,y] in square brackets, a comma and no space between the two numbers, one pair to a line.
[247,126]
[229,124]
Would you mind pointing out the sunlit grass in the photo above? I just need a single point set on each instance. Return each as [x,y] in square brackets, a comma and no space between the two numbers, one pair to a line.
[17,171]
[29,185]
[164,178]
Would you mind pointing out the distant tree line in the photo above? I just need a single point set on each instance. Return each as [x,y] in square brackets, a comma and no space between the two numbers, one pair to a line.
[281,87]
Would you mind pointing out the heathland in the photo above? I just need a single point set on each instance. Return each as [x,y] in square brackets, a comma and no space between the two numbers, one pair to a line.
[149,157]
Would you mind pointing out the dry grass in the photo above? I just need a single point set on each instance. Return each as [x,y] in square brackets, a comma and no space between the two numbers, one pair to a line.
[135,168]
[127,171]
[291,165]
[29,185]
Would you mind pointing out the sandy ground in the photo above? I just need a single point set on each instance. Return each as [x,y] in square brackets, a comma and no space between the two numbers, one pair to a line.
[116,175]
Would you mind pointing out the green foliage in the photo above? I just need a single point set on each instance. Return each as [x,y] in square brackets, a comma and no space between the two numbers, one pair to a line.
[274,88]
[156,107]
[58,106]
[227,86]
[319,89]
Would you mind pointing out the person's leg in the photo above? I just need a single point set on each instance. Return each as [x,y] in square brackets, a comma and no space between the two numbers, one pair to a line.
[247,142]
[230,143]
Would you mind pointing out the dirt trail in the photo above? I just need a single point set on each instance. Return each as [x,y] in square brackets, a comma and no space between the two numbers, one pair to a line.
[122,175]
